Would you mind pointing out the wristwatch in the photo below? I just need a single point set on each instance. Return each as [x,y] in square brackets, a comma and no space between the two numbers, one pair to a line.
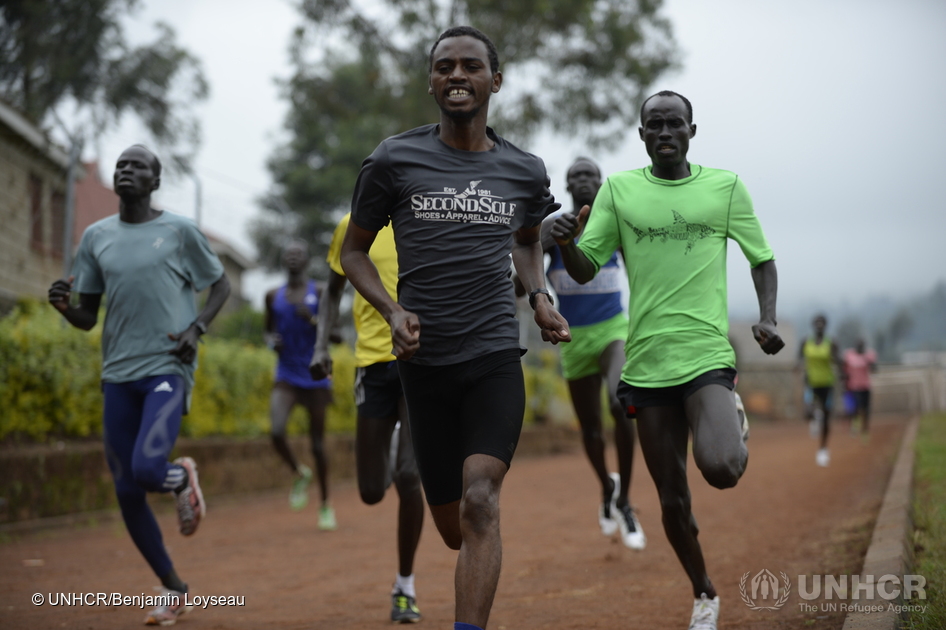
[200,326]
[533,293]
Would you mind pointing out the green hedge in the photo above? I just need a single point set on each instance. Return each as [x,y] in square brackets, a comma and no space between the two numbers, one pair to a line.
[50,388]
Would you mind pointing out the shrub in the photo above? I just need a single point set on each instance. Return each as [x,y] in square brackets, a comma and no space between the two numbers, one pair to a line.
[50,386]
[50,383]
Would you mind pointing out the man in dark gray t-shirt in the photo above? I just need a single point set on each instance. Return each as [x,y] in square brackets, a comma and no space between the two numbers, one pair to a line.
[461,201]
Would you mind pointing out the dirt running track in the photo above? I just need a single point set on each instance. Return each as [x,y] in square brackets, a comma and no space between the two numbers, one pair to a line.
[786,515]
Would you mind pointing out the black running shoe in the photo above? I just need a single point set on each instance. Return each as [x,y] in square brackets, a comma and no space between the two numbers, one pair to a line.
[404,608]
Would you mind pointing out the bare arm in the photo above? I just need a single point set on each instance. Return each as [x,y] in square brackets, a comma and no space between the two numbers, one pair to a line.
[363,275]
[186,349]
[321,364]
[565,229]
[85,315]
[527,257]
[545,234]
[765,279]
[270,336]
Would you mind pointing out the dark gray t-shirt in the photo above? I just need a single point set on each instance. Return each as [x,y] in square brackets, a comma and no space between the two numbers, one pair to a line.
[454,214]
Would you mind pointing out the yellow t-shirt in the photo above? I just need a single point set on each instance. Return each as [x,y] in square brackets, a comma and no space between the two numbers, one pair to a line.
[374,335]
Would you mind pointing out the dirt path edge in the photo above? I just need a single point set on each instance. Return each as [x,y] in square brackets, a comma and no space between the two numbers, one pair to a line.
[891,545]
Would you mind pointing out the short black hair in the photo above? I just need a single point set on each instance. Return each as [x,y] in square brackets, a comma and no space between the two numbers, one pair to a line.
[155,162]
[460,31]
[295,241]
[581,158]
[686,102]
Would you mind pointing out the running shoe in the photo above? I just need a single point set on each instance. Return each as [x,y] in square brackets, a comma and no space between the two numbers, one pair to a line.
[327,522]
[167,613]
[190,501]
[299,494]
[632,534]
[607,511]
[743,420]
[404,608]
[705,613]
[823,457]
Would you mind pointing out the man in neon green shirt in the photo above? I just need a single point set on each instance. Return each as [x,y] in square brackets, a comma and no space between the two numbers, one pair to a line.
[672,220]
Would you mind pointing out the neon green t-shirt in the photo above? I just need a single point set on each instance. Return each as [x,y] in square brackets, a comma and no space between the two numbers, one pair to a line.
[373,344]
[818,361]
[674,236]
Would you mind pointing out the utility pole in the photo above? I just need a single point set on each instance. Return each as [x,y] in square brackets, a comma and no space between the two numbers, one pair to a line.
[75,152]
[197,197]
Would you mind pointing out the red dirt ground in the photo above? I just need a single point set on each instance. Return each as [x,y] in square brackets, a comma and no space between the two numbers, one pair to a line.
[786,515]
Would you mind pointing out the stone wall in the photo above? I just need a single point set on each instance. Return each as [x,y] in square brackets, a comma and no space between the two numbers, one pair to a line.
[47,481]
[24,268]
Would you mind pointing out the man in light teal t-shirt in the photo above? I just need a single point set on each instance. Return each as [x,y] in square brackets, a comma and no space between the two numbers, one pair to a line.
[673,220]
[148,263]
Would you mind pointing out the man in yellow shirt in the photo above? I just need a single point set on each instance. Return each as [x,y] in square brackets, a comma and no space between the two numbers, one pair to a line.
[382,411]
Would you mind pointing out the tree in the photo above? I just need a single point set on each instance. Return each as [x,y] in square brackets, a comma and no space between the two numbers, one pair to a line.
[73,52]
[574,66]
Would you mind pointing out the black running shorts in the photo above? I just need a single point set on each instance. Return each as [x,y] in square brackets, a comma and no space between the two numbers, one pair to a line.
[675,395]
[468,408]
[378,390]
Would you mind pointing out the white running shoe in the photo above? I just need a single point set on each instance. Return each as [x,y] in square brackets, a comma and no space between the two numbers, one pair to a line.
[705,613]
[167,613]
[632,534]
[823,458]
[607,512]
[743,420]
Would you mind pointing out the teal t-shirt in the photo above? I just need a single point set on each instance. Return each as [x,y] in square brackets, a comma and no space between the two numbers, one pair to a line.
[674,235]
[149,273]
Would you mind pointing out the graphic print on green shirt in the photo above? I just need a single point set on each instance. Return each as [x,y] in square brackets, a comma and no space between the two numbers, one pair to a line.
[679,230]
[679,321]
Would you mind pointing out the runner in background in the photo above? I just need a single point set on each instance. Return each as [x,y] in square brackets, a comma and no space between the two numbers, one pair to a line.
[291,321]
[595,356]
[383,433]
[859,362]
[818,355]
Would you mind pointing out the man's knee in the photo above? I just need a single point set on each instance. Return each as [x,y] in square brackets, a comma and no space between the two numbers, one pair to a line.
[129,494]
[724,471]
[407,481]
[617,408]
[592,434]
[147,476]
[372,485]
[479,509]
[675,506]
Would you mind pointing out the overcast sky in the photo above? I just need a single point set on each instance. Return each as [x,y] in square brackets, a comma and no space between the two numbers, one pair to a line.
[831,111]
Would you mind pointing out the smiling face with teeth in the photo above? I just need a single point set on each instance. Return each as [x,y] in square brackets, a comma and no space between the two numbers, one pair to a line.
[666,131]
[461,80]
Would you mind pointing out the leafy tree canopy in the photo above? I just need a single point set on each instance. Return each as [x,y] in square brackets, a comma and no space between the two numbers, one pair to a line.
[574,66]
[73,52]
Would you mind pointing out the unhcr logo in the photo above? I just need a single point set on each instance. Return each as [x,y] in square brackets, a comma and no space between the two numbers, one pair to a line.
[767,593]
